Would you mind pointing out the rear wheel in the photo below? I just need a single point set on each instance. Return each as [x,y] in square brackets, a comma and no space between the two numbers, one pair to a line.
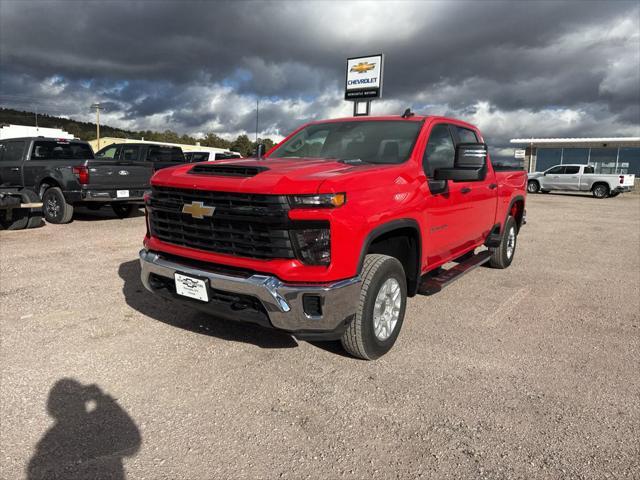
[56,209]
[14,219]
[502,256]
[35,214]
[122,210]
[600,190]
[383,300]
[533,186]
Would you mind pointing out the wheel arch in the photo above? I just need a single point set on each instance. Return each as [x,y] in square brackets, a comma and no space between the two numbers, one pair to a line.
[46,182]
[400,239]
[516,210]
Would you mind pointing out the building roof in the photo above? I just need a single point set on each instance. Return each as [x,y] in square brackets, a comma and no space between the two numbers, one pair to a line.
[583,142]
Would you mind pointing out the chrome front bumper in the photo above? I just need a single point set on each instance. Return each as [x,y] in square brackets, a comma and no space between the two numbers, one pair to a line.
[282,302]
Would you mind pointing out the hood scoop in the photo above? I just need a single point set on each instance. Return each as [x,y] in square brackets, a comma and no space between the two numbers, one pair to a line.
[227,170]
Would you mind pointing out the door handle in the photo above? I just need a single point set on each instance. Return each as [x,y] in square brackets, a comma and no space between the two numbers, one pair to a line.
[493,186]
[465,190]
[15,169]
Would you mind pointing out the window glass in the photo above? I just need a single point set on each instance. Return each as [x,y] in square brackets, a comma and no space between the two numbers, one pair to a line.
[604,160]
[588,169]
[440,152]
[575,155]
[60,149]
[160,153]
[556,170]
[629,160]
[466,136]
[547,158]
[108,152]
[369,141]
[130,152]
[199,157]
[571,169]
[12,151]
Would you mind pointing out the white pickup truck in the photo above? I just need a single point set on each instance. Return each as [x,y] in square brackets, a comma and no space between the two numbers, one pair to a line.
[579,178]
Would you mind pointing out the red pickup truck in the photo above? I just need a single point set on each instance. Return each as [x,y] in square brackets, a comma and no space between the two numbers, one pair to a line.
[329,233]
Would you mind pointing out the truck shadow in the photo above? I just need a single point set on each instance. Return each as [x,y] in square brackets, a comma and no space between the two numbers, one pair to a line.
[90,437]
[84,214]
[182,316]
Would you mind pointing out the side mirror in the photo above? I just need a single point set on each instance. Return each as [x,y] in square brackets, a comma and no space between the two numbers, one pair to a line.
[261,149]
[470,164]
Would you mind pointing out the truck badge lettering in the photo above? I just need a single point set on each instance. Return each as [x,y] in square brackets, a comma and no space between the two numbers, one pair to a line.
[198,210]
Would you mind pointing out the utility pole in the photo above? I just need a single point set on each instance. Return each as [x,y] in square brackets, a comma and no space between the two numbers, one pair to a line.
[257,117]
[98,107]
[36,118]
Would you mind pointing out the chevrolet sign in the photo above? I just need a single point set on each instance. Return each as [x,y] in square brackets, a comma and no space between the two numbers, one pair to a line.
[364,78]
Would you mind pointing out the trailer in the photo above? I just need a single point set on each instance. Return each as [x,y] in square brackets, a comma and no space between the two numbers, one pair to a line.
[19,209]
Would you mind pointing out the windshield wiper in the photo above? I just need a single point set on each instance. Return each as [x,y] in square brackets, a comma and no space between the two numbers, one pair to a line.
[354,161]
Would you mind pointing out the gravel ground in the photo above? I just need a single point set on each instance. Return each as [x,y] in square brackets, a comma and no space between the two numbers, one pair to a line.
[530,372]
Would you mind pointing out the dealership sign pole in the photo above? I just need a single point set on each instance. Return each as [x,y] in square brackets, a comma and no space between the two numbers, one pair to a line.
[363,82]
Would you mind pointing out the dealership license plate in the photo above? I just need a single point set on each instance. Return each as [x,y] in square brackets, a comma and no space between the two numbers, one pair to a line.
[122,193]
[191,287]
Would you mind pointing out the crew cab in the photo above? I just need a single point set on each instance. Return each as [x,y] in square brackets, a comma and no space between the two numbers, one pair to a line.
[579,178]
[329,233]
[65,174]
[154,155]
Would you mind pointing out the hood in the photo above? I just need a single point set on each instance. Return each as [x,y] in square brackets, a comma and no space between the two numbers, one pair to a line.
[269,175]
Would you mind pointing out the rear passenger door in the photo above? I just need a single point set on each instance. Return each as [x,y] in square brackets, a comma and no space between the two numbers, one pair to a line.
[570,178]
[11,161]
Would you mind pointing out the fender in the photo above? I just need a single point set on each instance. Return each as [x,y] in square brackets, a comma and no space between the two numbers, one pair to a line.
[513,201]
[390,227]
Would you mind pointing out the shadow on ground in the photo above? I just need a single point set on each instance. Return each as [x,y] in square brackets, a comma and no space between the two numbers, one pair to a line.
[183,316]
[84,214]
[91,436]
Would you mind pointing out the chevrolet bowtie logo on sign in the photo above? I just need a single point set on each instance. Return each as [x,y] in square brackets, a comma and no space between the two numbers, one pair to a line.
[198,210]
[363,67]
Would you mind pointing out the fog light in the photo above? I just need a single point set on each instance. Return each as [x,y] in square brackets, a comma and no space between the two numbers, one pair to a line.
[312,305]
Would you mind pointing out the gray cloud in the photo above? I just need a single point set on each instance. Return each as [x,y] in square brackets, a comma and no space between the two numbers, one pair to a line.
[517,68]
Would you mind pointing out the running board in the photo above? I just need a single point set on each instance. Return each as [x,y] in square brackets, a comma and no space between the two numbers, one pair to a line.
[433,285]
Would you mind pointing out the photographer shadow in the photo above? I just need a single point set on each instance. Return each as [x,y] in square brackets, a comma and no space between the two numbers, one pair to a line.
[91,435]
[181,316]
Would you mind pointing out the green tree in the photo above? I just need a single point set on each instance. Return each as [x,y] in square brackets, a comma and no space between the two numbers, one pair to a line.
[243,145]
[213,140]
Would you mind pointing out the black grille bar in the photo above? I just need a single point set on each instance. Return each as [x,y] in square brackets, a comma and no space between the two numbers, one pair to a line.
[247,225]
[227,170]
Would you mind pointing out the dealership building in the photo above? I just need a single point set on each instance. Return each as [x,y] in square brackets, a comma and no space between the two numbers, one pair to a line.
[606,154]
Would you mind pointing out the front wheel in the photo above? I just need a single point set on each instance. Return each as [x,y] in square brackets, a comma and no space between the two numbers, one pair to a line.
[533,186]
[502,256]
[122,210]
[383,301]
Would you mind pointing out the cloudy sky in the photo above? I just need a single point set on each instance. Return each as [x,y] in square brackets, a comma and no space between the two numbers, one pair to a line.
[538,68]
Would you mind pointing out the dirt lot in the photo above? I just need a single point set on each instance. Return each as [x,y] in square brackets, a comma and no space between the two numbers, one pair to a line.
[530,372]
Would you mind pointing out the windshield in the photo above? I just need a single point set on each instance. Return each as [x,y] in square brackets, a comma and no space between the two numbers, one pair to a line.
[61,150]
[369,141]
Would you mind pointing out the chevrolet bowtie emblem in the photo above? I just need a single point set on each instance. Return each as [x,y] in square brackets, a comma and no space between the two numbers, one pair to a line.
[363,67]
[198,210]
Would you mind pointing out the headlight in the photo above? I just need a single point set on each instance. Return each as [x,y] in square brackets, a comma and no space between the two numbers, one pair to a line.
[324,200]
[312,245]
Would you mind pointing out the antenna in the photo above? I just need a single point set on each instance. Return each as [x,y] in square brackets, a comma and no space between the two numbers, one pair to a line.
[257,116]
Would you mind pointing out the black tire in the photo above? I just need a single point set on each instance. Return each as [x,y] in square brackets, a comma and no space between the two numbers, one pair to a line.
[360,339]
[614,194]
[122,210]
[600,190]
[55,207]
[35,214]
[19,219]
[502,256]
[533,186]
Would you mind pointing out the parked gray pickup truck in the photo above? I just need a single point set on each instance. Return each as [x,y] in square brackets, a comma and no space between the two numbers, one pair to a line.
[66,174]
[579,178]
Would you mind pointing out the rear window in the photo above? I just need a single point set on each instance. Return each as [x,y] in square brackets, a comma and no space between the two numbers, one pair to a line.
[571,169]
[589,169]
[199,157]
[226,156]
[159,153]
[55,150]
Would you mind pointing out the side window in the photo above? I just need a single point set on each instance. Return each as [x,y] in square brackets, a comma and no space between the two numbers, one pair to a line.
[440,152]
[556,170]
[466,136]
[589,169]
[571,169]
[12,151]
[130,152]
[108,152]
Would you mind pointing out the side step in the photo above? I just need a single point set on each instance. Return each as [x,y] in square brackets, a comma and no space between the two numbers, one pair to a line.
[431,285]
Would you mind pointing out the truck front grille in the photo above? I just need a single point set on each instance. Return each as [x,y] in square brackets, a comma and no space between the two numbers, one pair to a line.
[246,225]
